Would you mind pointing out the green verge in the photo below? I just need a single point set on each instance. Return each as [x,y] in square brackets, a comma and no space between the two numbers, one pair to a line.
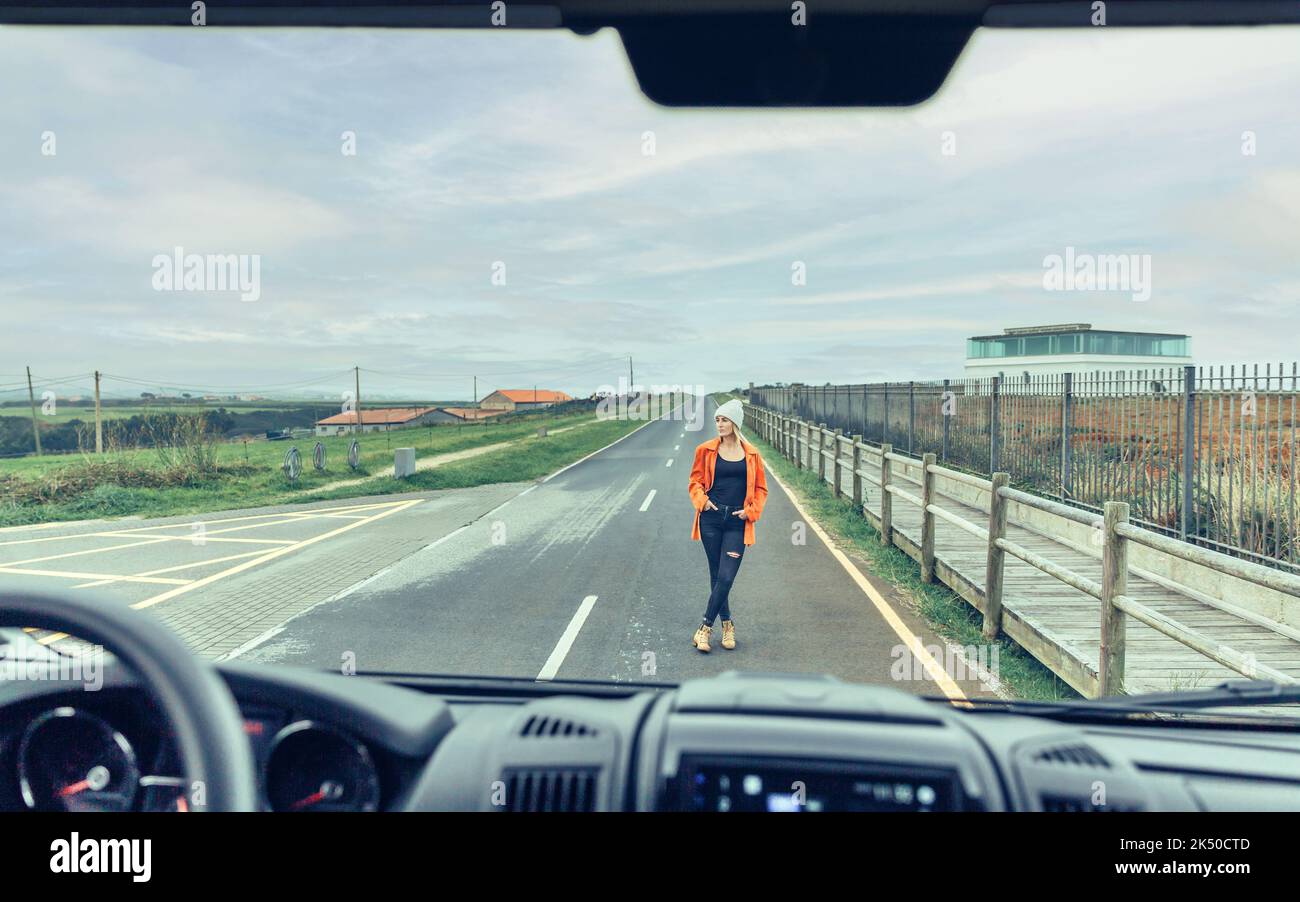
[259,482]
[525,460]
[948,613]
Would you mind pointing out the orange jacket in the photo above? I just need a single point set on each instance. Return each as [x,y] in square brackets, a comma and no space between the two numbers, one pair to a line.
[706,458]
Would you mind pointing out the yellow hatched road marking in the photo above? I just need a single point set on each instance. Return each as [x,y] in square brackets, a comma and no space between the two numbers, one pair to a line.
[69,574]
[199,540]
[320,512]
[187,566]
[55,557]
[182,586]
[272,555]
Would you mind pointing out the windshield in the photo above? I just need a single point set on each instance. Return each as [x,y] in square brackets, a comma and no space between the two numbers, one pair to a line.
[451,353]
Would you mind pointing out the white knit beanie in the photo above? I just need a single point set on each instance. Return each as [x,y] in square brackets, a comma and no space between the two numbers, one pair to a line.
[732,410]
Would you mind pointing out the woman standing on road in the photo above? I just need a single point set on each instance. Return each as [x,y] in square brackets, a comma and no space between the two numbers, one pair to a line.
[728,490]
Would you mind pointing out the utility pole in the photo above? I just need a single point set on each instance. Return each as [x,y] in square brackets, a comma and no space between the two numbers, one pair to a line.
[356,426]
[99,422]
[31,396]
[630,381]
[475,398]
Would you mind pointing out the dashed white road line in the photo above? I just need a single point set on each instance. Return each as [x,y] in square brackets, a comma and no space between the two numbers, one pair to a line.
[670,462]
[552,665]
[677,447]
[645,505]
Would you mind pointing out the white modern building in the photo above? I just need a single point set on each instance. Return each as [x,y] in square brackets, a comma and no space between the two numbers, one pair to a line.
[1073,348]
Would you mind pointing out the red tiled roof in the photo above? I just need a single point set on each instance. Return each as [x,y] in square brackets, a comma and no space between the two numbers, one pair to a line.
[379,415]
[528,395]
[470,413]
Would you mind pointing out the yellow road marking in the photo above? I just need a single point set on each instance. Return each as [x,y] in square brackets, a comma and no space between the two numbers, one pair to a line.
[200,539]
[182,586]
[55,557]
[318,512]
[279,552]
[910,639]
[187,566]
[69,574]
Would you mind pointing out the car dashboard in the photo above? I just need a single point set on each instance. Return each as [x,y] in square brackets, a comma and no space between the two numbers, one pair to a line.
[734,742]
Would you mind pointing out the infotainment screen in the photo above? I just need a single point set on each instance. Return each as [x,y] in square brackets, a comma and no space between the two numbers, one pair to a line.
[780,785]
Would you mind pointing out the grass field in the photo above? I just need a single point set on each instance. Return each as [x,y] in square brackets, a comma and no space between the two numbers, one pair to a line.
[141,483]
[66,411]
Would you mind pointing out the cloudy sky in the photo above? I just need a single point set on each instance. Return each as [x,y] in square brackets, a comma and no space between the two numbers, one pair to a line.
[529,149]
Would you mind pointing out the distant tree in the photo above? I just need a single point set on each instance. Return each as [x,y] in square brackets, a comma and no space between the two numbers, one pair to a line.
[148,395]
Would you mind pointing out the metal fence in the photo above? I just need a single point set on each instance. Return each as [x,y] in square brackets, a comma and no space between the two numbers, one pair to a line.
[1206,454]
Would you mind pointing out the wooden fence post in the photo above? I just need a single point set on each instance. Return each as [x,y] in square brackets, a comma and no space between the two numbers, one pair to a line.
[836,468]
[996,559]
[927,518]
[886,499]
[1114,581]
[856,482]
[821,458]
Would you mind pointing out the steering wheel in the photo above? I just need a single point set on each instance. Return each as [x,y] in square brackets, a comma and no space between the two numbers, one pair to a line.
[208,727]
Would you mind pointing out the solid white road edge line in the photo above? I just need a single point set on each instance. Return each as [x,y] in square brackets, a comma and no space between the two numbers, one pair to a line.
[606,448]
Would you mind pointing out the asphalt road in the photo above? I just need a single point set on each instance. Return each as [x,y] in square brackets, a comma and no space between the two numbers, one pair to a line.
[590,574]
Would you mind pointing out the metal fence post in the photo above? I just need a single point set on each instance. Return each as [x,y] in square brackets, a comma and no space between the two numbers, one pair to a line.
[886,499]
[994,425]
[1067,435]
[943,412]
[1189,448]
[884,416]
[856,482]
[995,559]
[1114,581]
[927,518]
[836,468]
[866,421]
[911,415]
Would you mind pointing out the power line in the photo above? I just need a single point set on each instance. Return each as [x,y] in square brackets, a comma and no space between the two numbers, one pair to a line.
[590,364]
[194,386]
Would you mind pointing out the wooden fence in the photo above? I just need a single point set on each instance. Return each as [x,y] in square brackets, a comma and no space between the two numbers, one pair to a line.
[974,560]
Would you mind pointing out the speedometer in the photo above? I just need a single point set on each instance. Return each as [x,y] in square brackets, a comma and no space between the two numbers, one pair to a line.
[316,768]
[69,760]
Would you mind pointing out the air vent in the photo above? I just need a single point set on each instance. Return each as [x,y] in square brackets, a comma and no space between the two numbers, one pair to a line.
[551,790]
[1063,803]
[544,727]
[1078,755]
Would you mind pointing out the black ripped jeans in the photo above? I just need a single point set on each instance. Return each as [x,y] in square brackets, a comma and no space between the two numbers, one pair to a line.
[722,535]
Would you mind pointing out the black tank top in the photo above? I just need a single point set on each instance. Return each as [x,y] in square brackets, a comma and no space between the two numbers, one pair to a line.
[729,482]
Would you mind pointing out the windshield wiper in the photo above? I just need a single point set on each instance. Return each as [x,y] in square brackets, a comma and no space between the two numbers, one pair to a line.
[1228,694]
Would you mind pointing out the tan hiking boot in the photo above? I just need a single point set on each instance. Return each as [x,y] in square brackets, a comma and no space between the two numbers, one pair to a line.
[728,634]
[701,638]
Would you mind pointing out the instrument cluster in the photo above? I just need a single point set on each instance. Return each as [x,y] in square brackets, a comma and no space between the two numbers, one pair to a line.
[110,756]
